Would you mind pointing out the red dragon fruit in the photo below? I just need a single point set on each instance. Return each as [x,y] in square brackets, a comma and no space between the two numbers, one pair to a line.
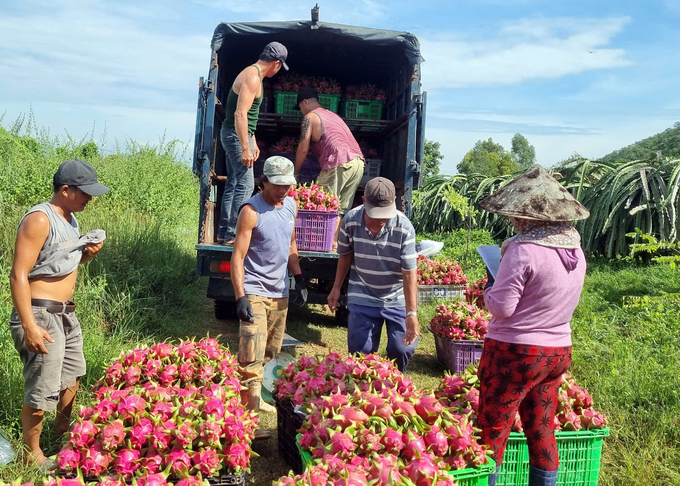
[157,479]
[82,435]
[213,407]
[179,461]
[191,481]
[140,432]
[126,461]
[152,368]
[436,441]
[236,456]
[162,350]
[422,471]
[342,444]
[429,408]
[414,446]
[151,463]
[460,437]
[207,462]
[168,375]
[68,459]
[393,441]
[591,419]
[210,433]
[570,421]
[112,435]
[187,350]
[132,375]
[185,434]
[94,460]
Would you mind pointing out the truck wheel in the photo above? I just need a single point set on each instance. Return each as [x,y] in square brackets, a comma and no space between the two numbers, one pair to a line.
[225,310]
[341,316]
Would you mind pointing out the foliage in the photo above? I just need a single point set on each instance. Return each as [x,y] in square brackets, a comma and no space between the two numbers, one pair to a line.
[432,159]
[664,144]
[653,249]
[489,159]
[522,151]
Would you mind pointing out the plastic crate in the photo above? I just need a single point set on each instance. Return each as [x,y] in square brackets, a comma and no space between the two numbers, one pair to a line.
[228,480]
[330,102]
[463,477]
[315,230]
[580,456]
[371,171]
[288,423]
[366,109]
[456,355]
[284,101]
[426,293]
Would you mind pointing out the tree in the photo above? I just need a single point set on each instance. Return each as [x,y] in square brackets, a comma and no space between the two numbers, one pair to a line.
[489,159]
[432,159]
[522,151]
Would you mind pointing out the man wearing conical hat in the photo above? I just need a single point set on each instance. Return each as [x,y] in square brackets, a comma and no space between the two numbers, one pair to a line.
[528,344]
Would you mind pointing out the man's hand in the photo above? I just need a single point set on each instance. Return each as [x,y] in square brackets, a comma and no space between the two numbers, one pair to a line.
[412,329]
[91,249]
[244,310]
[247,156]
[334,299]
[299,297]
[257,150]
[34,337]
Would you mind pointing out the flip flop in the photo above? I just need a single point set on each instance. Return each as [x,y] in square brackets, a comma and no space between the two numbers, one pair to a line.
[48,466]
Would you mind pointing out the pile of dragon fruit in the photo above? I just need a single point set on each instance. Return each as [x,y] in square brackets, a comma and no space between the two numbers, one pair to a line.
[474,294]
[439,272]
[314,198]
[159,479]
[165,411]
[361,407]
[574,409]
[460,321]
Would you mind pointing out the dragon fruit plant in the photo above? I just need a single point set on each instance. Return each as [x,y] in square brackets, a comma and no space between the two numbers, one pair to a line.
[379,470]
[474,294]
[574,404]
[312,197]
[171,410]
[439,272]
[460,321]
[310,379]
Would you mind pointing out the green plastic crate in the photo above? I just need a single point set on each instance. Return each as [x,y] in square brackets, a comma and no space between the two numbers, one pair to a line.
[366,109]
[463,477]
[580,455]
[284,102]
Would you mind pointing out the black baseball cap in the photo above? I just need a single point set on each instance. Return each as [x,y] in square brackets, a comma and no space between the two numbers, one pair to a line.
[305,94]
[275,51]
[80,174]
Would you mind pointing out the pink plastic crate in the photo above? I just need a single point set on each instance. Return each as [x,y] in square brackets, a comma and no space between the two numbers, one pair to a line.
[315,230]
[454,355]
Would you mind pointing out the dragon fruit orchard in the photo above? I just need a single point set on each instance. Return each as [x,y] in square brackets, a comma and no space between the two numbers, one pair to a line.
[439,272]
[460,321]
[166,409]
[574,408]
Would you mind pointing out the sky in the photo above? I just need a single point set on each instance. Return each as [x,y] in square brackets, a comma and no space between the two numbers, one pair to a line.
[574,76]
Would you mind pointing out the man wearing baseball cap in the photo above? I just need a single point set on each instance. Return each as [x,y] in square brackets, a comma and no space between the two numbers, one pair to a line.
[241,112]
[336,149]
[377,246]
[264,251]
[44,328]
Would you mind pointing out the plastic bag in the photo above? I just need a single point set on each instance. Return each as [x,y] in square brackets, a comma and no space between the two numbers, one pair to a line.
[7,454]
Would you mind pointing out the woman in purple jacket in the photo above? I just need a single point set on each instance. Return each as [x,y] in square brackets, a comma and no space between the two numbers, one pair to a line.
[528,344]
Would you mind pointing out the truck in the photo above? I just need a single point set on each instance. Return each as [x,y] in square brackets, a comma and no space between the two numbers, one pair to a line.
[352,56]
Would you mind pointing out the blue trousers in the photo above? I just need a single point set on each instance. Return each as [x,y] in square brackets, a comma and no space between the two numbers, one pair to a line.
[364,327]
[239,186]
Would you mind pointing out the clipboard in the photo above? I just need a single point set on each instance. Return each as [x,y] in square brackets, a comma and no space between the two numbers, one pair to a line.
[491,254]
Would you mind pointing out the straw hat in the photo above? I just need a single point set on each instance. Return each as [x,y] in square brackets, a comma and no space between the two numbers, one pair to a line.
[536,195]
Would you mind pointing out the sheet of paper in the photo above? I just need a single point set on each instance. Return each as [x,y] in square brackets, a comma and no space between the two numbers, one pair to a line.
[491,254]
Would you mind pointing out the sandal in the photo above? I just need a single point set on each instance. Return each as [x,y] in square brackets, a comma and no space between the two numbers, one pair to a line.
[48,466]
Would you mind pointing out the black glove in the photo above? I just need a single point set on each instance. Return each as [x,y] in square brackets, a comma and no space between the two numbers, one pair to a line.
[244,310]
[490,279]
[299,295]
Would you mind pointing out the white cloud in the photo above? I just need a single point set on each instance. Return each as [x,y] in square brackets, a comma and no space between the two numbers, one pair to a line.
[523,50]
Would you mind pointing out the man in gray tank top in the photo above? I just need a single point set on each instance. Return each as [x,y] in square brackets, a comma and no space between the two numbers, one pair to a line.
[264,251]
[44,327]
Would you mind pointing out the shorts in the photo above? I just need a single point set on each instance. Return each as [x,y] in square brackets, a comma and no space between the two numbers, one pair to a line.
[46,375]
[343,181]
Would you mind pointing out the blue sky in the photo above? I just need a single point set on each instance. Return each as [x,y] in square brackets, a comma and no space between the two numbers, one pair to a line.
[572,76]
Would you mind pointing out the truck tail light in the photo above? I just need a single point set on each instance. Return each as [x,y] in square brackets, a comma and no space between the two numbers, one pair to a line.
[220,266]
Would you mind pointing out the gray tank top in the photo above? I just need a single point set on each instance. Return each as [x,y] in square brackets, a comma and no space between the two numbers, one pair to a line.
[62,234]
[266,263]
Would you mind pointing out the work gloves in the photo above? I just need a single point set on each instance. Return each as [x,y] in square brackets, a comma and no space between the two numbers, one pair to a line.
[298,295]
[244,310]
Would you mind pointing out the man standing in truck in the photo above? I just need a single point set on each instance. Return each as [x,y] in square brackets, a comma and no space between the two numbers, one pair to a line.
[264,251]
[378,244]
[241,112]
[342,162]
[43,324]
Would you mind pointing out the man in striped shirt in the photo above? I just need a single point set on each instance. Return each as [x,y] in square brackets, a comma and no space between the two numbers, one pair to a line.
[377,245]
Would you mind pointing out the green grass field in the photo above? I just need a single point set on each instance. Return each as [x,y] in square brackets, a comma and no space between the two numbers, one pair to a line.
[142,287]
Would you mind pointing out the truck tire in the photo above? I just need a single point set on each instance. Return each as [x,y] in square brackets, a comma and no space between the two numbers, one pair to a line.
[341,316]
[225,310]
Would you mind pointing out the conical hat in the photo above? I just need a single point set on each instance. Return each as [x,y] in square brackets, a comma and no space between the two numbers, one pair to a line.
[535,194]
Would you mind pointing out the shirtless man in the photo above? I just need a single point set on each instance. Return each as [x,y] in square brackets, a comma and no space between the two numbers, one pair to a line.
[241,112]
[43,324]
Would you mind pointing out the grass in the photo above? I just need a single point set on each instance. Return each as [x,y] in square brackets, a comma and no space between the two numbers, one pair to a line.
[142,287]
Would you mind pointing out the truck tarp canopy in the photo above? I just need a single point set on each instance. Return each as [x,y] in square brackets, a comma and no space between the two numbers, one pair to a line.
[340,36]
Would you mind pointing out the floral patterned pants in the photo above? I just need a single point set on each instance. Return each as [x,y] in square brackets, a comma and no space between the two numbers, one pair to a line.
[526,378]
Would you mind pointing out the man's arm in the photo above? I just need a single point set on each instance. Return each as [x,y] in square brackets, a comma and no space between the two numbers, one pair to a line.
[411,296]
[246,96]
[346,251]
[305,140]
[31,237]
[293,257]
[244,230]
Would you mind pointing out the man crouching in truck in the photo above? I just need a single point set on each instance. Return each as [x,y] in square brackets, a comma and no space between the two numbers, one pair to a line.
[342,162]
[263,252]
[241,112]
[378,244]
[44,328]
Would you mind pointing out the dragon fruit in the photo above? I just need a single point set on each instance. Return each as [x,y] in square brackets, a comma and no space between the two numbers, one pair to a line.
[151,463]
[429,408]
[436,441]
[207,462]
[236,456]
[68,459]
[191,481]
[178,461]
[342,443]
[126,461]
[422,471]
[94,460]
[112,435]
[82,435]
[393,441]
[140,432]
[132,375]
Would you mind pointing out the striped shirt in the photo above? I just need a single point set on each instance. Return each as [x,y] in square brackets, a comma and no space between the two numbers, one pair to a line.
[375,279]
